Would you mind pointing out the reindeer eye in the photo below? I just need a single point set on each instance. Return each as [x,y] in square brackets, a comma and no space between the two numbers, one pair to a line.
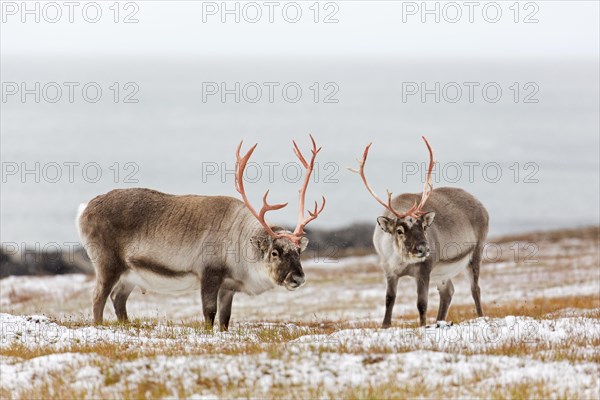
[274,253]
[400,231]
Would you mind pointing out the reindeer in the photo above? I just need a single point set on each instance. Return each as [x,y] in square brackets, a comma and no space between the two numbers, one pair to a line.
[410,243]
[177,244]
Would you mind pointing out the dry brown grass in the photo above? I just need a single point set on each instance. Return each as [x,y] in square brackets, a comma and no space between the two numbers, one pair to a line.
[584,233]
[389,388]
[20,296]
[271,337]
[538,307]
[568,350]
[469,388]
[112,350]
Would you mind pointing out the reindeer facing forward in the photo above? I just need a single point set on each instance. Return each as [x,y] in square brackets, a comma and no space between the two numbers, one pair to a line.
[176,244]
[411,243]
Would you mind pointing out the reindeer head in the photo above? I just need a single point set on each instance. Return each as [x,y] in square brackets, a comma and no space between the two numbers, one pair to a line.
[410,237]
[281,258]
[280,249]
[408,228]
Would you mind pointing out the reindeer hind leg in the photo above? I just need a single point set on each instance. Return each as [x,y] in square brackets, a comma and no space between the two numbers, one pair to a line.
[473,275]
[446,290]
[119,297]
[108,272]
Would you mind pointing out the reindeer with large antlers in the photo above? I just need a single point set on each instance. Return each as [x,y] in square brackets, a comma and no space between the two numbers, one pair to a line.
[409,243]
[176,244]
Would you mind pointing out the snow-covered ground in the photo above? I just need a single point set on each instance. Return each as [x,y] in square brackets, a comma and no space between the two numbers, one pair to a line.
[541,339]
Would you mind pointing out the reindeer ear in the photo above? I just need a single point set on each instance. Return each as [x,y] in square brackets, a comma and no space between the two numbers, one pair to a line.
[387,224]
[261,242]
[303,244]
[428,218]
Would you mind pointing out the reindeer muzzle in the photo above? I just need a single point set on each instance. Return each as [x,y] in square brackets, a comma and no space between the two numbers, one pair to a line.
[422,251]
[293,281]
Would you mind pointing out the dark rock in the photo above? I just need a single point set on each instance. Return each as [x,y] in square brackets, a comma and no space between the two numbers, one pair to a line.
[54,262]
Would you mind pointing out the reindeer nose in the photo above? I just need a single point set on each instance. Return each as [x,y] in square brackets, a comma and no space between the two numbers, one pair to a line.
[422,250]
[298,280]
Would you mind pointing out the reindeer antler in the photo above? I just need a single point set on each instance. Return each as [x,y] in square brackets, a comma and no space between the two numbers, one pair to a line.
[239,185]
[296,236]
[302,222]
[416,210]
[428,186]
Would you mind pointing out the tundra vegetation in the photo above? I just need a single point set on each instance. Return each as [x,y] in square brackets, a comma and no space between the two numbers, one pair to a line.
[539,339]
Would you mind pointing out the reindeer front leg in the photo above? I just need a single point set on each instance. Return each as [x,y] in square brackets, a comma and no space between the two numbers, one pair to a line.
[390,299]
[423,293]
[225,302]
[209,290]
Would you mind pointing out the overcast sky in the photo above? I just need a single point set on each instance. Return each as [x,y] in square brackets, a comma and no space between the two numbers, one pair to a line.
[565,28]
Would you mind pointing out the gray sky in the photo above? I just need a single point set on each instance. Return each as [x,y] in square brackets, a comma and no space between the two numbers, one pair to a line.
[365,28]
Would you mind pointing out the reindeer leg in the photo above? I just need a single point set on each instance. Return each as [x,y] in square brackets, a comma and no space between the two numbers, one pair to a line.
[446,290]
[473,274]
[390,300]
[119,297]
[225,302]
[423,292]
[209,290]
[108,272]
